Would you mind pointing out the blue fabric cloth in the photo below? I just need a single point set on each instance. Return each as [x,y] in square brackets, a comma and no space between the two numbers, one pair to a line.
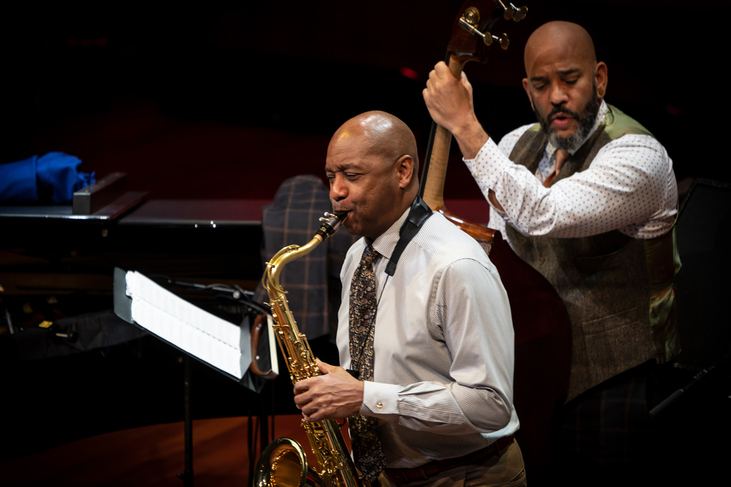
[50,178]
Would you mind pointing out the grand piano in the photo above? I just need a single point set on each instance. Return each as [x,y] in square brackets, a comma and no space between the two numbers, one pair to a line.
[71,367]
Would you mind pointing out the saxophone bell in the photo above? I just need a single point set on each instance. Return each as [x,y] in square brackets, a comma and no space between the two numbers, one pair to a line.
[284,463]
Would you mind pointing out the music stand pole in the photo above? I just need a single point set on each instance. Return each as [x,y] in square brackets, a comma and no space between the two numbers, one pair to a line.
[187,475]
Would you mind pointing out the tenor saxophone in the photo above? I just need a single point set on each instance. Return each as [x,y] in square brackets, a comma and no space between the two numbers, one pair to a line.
[283,463]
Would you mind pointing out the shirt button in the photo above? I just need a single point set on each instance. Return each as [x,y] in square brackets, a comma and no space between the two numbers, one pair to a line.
[379,404]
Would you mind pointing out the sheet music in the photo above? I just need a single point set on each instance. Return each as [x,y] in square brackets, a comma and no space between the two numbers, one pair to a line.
[202,334]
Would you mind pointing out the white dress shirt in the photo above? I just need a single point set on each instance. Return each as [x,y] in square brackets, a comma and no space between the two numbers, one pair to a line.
[444,342]
[630,187]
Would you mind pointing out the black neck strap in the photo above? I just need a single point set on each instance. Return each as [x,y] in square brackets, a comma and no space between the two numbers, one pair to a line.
[419,213]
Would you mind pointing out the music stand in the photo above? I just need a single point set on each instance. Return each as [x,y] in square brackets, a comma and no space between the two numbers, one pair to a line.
[197,333]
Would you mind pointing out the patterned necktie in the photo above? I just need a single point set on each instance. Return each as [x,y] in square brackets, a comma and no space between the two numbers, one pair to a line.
[367,450]
[561,156]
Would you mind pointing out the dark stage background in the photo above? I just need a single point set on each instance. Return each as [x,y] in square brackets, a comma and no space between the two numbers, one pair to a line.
[226,100]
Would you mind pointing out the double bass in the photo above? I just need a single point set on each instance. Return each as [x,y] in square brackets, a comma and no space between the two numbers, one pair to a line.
[540,319]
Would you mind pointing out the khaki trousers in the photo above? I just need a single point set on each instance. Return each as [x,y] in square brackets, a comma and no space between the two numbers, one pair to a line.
[505,469]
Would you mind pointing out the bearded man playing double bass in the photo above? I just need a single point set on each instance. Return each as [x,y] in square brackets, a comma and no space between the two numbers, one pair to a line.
[424,323]
[587,197]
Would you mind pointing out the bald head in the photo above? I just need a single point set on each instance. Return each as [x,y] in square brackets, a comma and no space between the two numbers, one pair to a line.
[385,136]
[372,168]
[565,38]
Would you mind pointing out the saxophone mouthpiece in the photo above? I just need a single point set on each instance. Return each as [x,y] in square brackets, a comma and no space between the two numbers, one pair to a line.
[330,223]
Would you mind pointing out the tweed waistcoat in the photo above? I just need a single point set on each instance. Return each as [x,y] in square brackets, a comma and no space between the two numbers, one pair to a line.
[618,290]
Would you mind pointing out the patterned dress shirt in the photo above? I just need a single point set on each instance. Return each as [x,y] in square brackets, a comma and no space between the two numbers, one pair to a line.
[630,187]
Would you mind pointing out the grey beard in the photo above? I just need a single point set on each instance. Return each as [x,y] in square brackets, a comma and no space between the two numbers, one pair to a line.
[586,123]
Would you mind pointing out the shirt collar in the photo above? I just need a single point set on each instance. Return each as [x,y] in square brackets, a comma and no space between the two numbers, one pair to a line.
[386,242]
[598,122]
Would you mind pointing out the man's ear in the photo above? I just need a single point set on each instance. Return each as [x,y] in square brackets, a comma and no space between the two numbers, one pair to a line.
[601,78]
[405,171]
[526,87]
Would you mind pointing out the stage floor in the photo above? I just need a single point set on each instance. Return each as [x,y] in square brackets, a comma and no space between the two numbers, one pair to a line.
[149,456]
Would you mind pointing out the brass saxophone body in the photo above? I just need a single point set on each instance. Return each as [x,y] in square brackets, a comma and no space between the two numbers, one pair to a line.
[283,463]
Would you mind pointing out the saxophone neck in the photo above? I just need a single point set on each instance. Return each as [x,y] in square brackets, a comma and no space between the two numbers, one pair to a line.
[329,224]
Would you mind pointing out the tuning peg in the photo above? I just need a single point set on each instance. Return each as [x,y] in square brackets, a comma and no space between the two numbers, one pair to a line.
[511,12]
[487,38]
[519,13]
[470,17]
[469,20]
[502,40]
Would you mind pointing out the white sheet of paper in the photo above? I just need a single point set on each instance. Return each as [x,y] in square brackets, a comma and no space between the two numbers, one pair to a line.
[201,334]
